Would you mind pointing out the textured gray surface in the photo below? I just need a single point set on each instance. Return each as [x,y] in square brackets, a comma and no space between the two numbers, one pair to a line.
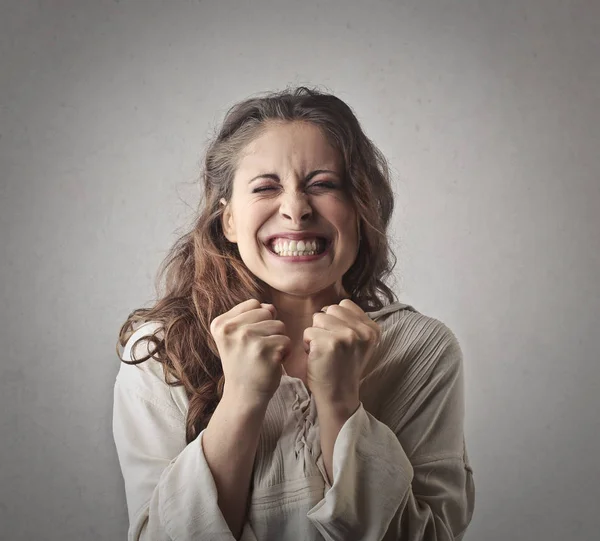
[490,115]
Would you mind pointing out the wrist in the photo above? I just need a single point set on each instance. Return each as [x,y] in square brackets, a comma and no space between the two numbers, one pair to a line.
[335,394]
[245,402]
[337,406]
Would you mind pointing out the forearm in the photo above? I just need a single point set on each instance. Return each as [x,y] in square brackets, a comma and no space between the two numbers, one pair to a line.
[229,444]
[332,416]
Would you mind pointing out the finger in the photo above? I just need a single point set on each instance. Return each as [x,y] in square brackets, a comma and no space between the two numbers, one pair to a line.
[347,304]
[278,344]
[268,328]
[331,323]
[271,309]
[238,309]
[337,320]
[250,304]
[253,316]
[242,307]
[313,333]
[350,317]
[353,308]
[348,311]
[350,305]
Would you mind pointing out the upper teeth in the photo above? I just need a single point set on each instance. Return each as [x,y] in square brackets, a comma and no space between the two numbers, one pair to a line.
[294,246]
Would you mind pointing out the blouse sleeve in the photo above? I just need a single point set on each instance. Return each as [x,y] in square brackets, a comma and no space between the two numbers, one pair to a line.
[170,491]
[408,481]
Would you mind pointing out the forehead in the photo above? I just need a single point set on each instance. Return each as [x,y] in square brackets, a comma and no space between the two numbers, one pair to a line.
[283,144]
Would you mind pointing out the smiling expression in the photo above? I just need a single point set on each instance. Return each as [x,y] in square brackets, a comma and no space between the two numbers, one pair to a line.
[290,179]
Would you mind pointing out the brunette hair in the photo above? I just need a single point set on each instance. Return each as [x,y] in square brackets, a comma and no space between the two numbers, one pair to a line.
[204,275]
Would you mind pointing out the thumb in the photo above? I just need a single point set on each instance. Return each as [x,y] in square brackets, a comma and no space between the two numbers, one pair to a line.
[271,308]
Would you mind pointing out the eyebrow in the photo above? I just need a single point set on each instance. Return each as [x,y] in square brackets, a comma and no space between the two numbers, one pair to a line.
[275,177]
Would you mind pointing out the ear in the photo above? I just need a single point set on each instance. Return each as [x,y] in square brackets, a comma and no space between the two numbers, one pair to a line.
[227,222]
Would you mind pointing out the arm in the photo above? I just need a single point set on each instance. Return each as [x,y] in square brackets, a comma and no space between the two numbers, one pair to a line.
[408,478]
[332,417]
[230,442]
[170,489]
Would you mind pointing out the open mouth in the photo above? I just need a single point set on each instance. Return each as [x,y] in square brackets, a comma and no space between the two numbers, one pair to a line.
[322,244]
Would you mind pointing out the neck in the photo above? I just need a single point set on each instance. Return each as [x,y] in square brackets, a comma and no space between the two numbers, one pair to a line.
[296,311]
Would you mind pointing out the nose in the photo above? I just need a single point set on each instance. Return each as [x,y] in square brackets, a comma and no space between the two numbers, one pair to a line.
[295,207]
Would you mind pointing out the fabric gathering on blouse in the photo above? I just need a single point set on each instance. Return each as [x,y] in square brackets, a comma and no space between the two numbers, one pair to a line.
[400,465]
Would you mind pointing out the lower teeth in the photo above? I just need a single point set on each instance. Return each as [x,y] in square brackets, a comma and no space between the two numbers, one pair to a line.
[288,254]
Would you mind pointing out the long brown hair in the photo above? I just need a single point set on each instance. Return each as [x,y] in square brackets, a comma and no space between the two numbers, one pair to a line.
[203,273]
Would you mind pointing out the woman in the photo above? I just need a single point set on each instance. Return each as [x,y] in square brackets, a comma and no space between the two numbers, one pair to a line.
[278,390]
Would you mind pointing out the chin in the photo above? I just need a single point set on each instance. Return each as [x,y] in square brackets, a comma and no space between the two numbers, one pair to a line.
[298,290]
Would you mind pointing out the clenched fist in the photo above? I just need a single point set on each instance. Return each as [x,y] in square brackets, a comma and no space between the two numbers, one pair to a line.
[252,345]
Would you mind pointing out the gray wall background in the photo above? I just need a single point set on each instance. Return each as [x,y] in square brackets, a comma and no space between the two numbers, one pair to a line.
[489,113]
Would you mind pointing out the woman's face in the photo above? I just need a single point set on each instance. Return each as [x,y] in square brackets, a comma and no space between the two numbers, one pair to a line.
[292,199]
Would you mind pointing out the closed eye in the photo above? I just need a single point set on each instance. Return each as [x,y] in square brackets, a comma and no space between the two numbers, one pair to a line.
[317,184]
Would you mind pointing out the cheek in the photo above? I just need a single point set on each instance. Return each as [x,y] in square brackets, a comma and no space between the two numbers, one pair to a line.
[344,217]
[336,205]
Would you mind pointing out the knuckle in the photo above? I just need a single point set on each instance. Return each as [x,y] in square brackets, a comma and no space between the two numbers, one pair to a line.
[227,328]
[215,325]
[349,335]
[245,332]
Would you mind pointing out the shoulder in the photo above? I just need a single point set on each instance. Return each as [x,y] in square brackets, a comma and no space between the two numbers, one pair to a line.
[148,380]
[148,375]
[415,343]
[422,336]
[417,354]
[404,328]
[390,313]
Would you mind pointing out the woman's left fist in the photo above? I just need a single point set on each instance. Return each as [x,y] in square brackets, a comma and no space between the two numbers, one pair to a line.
[339,344]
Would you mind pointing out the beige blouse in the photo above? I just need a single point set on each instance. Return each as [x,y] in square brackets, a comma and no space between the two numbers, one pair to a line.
[401,470]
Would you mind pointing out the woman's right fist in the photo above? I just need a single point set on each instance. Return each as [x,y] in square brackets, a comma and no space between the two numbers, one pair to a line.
[252,345]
